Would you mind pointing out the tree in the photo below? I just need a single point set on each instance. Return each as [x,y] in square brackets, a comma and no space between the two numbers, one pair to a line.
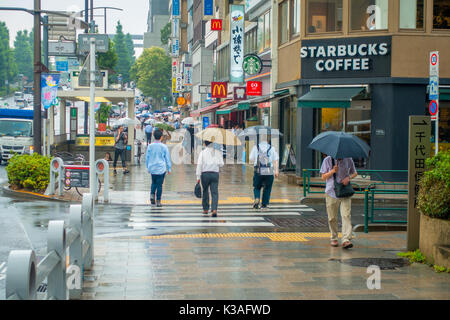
[8,67]
[123,58]
[165,33]
[130,46]
[108,60]
[152,71]
[23,53]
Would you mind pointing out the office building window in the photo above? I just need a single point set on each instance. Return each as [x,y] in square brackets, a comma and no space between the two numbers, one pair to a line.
[324,15]
[264,32]
[223,63]
[283,22]
[367,15]
[411,14]
[441,14]
[295,17]
[250,43]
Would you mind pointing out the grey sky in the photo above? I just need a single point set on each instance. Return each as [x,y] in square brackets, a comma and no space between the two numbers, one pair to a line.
[133,17]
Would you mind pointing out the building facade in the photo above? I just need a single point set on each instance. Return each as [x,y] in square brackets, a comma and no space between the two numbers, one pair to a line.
[157,19]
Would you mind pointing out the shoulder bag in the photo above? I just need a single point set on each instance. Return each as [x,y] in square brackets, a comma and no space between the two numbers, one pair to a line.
[341,190]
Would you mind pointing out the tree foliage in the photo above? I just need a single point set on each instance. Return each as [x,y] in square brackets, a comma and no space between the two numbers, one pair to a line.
[23,53]
[123,56]
[165,33]
[8,68]
[130,46]
[152,72]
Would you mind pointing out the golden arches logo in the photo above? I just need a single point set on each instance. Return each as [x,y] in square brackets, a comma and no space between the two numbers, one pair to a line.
[219,89]
[216,24]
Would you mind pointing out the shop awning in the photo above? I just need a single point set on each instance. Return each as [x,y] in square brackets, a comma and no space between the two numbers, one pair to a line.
[97,99]
[245,105]
[197,113]
[228,109]
[444,94]
[329,97]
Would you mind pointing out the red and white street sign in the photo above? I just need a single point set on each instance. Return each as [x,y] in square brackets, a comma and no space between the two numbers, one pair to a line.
[434,63]
[433,107]
[254,88]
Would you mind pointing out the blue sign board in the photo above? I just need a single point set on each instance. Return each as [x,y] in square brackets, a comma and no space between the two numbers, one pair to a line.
[208,7]
[205,122]
[62,65]
[434,88]
[176,8]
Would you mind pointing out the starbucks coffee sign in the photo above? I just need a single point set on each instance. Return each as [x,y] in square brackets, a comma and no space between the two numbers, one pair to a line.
[346,57]
[252,64]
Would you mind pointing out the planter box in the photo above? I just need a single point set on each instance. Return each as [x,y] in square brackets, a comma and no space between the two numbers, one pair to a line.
[434,240]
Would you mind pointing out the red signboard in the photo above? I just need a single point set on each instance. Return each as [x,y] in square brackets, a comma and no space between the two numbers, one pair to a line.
[219,89]
[216,24]
[254,88]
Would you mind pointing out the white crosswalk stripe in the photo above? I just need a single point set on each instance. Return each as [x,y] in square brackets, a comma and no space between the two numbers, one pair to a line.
[142,217]
[2,270]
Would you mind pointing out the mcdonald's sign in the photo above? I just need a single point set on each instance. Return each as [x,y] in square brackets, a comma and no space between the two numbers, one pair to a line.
[219,89]
[216,24]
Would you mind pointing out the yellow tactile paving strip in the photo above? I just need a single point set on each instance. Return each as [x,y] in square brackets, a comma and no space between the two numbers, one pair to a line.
[229,200]
[274,236]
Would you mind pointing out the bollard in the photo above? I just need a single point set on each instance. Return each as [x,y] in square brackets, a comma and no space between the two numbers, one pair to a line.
[21,275]
[56,167]
[366,211]
[76,249]
[88,229]
[102,167]
[56,281]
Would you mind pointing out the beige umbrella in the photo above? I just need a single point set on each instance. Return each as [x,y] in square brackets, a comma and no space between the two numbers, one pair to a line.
[219,136]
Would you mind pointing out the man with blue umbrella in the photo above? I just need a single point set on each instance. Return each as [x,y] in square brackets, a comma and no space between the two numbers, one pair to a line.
[337,170]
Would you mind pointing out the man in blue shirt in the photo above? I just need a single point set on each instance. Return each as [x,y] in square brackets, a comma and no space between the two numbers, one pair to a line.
[148,132]
[158,163]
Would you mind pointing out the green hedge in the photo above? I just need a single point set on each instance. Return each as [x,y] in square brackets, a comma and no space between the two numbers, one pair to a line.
[31,172]
[434,193]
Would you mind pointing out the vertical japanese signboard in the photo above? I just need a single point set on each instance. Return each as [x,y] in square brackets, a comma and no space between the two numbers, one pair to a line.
[236,43]
[419,150]
[434,93]
[175,28]
[176,8]
[188,74]
[175,47]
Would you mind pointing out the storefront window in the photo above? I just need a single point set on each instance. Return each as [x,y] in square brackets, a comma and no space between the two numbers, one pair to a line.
[284,22]
[332,119]
[411,14]
[295,17]
[367,15]
[324,15]
[441,14]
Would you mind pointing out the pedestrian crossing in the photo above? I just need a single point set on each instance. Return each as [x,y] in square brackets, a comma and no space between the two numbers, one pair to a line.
[143,217]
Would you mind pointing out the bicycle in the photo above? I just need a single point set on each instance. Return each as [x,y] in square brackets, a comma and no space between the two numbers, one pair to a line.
[78,159]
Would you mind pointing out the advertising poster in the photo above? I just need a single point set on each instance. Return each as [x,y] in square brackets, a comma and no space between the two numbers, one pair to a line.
[49,89]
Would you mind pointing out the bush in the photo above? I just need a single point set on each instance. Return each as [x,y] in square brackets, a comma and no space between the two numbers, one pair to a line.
[434,193]
[31,172]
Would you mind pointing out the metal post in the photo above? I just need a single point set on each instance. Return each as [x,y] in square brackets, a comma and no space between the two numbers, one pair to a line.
[366,211]
[56,280]
[76,249]
[93,187]
[87,206]
[86,105]
[45,137]
[436,130]
[45,39]
[21,275]
[37,125]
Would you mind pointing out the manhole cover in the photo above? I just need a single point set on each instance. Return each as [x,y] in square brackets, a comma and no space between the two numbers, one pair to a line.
[383,263]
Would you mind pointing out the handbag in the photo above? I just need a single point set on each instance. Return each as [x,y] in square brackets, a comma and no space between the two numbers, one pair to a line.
[198,190]
[341,190]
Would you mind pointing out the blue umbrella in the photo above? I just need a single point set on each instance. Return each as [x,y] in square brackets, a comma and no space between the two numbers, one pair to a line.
[340,145]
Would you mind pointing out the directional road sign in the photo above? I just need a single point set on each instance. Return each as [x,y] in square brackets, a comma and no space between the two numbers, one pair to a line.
[101,42]
[62,48]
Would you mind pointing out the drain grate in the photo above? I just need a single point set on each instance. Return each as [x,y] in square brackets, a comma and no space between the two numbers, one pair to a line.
[383,263]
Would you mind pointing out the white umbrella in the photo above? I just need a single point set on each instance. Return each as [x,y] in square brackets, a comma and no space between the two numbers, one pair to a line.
[189,121]
[151,121]
[127,122]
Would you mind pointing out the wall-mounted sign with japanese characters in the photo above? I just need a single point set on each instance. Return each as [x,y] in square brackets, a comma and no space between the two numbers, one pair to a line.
[175,47]
[236,43]
[174,67]
[254,88]
[419,151]
[179,81]
[188,74]
[208,7]
[175,8]
[175,28]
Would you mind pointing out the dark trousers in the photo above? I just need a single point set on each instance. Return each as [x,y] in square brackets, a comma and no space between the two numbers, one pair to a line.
[157,183]
[117,153]
[210,180]
[265,182]
[149,137]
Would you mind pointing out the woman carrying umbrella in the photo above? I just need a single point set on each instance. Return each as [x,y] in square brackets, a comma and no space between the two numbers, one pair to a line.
[337,170]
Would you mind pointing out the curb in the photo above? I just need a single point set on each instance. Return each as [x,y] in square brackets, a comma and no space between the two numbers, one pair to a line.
[380,227]
[354,200]
[29,194]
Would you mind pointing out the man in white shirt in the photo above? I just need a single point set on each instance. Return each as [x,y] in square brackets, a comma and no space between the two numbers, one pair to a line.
[209,162]
[265,160]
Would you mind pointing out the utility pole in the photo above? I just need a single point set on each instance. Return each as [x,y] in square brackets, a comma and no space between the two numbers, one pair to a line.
[92,176]
[37,122]
[86,105]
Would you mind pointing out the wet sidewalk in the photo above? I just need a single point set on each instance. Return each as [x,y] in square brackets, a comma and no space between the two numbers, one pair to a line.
[273,265]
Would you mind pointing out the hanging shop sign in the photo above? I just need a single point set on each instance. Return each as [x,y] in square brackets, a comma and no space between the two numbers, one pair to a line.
[181,101]
[175,8]
[254,88]
[216,24]
[343,58]
[188,74]
[236,43]
[179,82]
[239,93]
[174,85]
[219,89]
[208,7]
[49,89]
[175,47]
[175,28]
[252,64]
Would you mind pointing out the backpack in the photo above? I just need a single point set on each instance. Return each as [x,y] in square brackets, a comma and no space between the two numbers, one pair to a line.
[148,129]
[264,166]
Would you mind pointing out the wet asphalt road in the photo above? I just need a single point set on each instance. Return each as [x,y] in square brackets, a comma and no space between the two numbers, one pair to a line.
[23,223]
